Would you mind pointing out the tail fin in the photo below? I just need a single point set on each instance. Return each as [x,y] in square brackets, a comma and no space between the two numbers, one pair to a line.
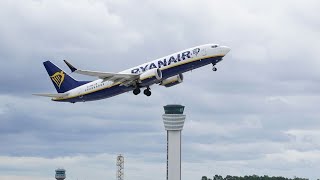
[61,80]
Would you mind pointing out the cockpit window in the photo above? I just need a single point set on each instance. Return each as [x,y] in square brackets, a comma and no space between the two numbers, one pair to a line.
[214,46]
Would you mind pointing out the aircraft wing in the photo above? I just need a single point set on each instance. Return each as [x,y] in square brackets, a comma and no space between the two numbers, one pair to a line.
[59,95]
[106,76]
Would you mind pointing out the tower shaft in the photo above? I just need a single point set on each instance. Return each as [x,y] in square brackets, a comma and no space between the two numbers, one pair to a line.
[174,155]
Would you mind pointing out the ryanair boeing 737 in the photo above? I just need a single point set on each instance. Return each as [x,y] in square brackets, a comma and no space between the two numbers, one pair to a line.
[166,71]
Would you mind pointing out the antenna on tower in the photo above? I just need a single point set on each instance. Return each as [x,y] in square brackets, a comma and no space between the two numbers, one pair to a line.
[120,167]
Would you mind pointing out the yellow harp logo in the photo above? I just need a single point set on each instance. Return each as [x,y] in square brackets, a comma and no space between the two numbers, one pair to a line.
[58,78]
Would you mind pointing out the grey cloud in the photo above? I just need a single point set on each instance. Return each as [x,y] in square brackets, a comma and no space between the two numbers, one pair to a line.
[266,86]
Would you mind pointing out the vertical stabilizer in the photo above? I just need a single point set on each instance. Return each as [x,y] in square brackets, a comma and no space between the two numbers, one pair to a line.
[61,80]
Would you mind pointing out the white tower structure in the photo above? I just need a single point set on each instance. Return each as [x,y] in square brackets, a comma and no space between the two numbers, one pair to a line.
[173,120]
[60,174]
[120,167]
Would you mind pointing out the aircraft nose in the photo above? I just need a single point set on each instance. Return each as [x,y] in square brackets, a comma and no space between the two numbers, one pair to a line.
[225,50]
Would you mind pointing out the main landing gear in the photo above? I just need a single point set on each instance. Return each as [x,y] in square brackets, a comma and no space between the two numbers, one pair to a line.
[137,91]
[147,92]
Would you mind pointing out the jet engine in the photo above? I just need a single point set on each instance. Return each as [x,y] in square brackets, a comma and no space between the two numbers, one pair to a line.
[171,81]
[149,77]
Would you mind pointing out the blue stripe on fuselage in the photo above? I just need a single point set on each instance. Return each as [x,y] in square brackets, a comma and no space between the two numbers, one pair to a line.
[166,73]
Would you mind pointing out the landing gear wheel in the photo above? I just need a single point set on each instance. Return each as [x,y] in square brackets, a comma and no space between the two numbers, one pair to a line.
[147,92]
[214,68]
[136,91]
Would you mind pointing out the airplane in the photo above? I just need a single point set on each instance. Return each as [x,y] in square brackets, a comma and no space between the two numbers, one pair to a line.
[166,71]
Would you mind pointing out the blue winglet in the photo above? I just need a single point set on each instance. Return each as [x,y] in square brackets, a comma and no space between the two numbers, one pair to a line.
[72,68]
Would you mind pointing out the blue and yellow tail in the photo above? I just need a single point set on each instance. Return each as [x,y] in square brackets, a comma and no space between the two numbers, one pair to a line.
[61,80]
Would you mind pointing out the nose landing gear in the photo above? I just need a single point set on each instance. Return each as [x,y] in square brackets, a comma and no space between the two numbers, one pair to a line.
[214,67]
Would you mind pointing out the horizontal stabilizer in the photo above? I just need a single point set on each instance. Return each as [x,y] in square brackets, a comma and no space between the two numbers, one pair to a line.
[59,95]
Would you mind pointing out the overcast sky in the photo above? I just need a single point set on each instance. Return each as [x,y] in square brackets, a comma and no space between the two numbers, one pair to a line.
[258,114]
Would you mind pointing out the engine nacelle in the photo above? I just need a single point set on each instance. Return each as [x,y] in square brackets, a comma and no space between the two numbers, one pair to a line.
[151,76]
[171,81]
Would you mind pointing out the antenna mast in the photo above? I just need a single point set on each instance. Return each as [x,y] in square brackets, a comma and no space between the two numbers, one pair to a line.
[120,167]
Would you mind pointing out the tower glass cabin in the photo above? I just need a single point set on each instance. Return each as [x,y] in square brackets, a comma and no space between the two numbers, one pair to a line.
[60,174]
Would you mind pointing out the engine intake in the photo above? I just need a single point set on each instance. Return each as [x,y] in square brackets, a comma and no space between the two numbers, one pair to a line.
[171,81]
[151,76]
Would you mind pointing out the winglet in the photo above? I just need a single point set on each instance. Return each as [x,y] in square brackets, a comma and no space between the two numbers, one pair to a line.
[72,68]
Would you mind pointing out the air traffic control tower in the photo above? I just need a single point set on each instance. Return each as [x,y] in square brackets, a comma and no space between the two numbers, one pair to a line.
[173,120]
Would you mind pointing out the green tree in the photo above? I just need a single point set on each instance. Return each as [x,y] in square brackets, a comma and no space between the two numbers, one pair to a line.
[252,177]
[204,178]
[217,177]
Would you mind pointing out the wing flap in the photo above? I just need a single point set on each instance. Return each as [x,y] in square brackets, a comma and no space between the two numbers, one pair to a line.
[104,75]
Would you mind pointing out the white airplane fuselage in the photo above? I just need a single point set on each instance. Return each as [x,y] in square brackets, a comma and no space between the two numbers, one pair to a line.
[170,66]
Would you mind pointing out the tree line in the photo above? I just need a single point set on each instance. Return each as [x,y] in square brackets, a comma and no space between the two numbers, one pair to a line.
[253,177]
